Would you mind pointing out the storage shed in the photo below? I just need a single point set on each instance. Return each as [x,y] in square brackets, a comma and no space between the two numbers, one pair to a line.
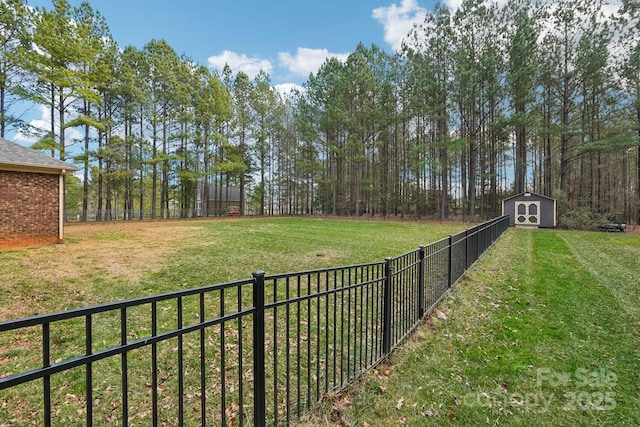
[530,210]
[31,197]
[219,200]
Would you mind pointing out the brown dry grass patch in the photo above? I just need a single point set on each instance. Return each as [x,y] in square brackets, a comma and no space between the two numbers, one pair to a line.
[116,252]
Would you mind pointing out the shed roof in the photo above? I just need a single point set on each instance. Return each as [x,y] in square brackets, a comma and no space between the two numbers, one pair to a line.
[15,157]
[530,193]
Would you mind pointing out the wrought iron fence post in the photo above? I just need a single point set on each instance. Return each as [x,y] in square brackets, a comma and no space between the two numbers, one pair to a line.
[259,392]
[449,279]
[494,229]
[466,249]
[386,321]
[476,251]
[421,254]
[46,362]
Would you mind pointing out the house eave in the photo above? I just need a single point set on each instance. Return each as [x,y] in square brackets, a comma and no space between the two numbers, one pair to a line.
[24,167]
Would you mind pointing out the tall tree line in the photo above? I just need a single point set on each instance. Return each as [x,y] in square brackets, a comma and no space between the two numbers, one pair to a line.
[482,102]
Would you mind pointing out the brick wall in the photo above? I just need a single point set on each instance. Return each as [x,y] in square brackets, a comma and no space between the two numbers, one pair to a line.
[29,209]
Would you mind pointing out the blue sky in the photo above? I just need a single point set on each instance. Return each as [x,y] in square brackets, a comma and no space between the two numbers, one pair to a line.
[286,38]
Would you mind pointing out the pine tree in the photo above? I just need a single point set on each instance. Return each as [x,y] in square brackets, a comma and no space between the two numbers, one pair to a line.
[14,37]
[522,77]
[57,62]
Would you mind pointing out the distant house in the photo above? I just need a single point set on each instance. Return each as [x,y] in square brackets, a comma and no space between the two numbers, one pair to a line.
[31,197]
[219,199]
[530,210]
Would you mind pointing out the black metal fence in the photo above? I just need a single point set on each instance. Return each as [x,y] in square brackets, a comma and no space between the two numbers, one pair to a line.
[257,352]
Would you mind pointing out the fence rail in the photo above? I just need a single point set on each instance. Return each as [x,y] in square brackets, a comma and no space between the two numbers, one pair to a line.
[259,351]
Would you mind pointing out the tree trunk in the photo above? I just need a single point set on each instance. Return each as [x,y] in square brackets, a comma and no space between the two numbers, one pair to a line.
[638,171]
[85,184]
[154,176]
[521,152]
[140,155]
[473,154]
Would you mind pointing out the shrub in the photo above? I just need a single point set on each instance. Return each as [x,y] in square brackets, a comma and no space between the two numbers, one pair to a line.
[577,219]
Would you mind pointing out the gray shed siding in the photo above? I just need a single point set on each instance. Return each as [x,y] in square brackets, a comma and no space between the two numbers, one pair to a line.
[547,208]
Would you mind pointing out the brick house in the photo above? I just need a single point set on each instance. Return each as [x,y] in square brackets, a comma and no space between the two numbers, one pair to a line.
[31,197]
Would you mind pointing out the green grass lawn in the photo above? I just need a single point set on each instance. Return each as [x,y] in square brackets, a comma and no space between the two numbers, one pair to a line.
[544,331]
[116,261]
[111,262]
[231,250]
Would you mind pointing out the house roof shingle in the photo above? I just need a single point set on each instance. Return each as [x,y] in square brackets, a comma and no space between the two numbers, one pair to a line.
[16,157]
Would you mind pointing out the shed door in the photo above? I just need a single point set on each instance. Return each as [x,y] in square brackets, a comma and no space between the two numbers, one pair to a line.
[528,213]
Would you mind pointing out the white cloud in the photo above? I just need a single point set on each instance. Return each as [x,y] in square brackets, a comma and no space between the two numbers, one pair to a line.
[285,89]
[307,60]
[240,62]
[398,20]
[42,125]
[453,4]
